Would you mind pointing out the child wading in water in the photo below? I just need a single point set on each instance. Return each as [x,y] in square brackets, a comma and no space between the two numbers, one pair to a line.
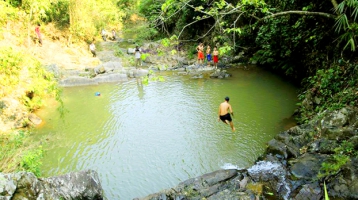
[208,55]
[216,57]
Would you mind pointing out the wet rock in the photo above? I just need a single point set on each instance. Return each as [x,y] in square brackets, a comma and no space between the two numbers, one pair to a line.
[345,184]
[307,166]
[35,119]
[323,146]
[310,192]
[277,147]
[220,74]
[197,188]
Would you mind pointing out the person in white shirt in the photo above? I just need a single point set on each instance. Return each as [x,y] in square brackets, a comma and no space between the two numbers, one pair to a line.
[137,55]
[93,49]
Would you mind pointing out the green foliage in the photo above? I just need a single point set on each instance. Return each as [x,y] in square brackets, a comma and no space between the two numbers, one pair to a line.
[59,13]
[343,153]
[333,165]
[23,74]
[18,153]
[143,56]
[9,70]
[7,12]
[152,77]
[31,161]
[334,87]
[118,52]
[346,23]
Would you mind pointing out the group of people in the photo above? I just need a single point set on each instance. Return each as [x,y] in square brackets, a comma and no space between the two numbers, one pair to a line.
[92,46]
[225,109]
[209,58]
[104,35]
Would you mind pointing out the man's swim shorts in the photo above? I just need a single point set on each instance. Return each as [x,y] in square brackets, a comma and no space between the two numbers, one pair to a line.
[226,117]
[208,57]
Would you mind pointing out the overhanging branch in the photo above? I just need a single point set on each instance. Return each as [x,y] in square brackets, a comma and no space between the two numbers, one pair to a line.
[298,12]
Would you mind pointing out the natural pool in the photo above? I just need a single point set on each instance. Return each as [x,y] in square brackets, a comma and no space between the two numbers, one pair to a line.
[142,139]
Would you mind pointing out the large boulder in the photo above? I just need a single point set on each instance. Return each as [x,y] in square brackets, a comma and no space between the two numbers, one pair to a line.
[75,185]
[307,166]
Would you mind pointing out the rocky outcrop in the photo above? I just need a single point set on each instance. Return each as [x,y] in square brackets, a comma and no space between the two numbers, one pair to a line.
[75,185]
[115,69]
[291,168]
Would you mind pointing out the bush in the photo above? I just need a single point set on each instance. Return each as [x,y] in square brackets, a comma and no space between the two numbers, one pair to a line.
[24,76]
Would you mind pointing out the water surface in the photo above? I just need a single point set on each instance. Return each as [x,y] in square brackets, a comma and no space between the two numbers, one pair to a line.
[142,139]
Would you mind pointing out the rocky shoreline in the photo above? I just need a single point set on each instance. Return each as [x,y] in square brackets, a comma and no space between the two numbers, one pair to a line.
[289,169]
[119,69]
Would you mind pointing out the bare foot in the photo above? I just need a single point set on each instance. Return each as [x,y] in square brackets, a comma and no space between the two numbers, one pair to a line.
[233,129]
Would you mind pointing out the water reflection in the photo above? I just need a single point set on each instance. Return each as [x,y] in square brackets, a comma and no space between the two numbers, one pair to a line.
[167,133]
[140,88]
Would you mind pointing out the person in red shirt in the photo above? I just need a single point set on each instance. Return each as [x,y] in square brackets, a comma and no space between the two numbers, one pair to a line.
[38,33]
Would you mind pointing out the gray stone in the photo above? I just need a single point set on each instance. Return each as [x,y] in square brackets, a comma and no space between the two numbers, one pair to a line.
[35,119]
[309,192]
[130,50]
[75,185]
[77,81]
[108,78]
[307,166]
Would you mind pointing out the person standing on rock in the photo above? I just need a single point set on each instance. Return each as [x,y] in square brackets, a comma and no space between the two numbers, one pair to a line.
[93,49]
[137,55]
[216,57]
[113,35]
[104,35]
[38,33]
[224,115]
[208,55]
[200,50]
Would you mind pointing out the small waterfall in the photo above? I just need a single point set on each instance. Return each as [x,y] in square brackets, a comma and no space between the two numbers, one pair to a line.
[266,171]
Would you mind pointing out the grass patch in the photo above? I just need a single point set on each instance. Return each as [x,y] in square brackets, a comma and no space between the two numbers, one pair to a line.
[18,153]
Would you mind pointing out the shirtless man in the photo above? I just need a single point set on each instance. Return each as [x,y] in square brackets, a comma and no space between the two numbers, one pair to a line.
[200,50]
[224,115]
[208,55]
[216,57]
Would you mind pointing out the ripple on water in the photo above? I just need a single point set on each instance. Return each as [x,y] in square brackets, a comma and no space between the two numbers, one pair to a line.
[142,139]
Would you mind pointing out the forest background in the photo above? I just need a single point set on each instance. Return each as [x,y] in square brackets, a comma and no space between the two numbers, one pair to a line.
[311,42]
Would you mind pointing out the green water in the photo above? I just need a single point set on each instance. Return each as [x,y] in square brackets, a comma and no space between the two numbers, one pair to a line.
[142,139]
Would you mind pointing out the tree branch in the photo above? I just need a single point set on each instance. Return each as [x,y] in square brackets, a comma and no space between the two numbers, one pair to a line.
[297,12]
